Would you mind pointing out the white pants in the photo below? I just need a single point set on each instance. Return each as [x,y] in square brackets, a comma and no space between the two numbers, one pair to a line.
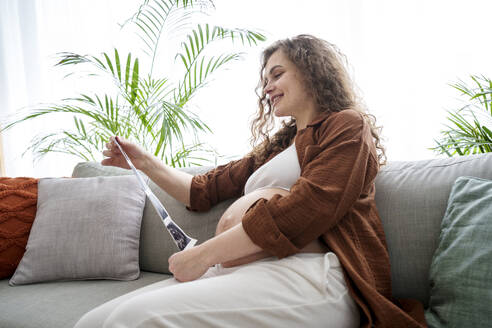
[303,290]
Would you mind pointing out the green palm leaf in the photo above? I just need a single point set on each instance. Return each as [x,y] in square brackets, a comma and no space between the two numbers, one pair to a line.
[467,131]
[139,104]
[155,16]
[197,65]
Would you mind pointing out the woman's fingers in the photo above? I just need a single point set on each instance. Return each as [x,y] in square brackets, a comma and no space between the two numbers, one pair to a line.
[107,162]
[108,153]
[113,160]
[123,142]
[115,156]
[111,145]
[111,153]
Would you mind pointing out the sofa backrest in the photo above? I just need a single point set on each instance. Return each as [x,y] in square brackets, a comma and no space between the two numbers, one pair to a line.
[411,198]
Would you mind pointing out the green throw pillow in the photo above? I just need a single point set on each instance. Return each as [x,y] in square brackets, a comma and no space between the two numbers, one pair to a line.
[461,269]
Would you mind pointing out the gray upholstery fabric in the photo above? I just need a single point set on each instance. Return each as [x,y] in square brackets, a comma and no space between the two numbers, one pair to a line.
[61,304]
[412,198]
[156,245]
[84,229]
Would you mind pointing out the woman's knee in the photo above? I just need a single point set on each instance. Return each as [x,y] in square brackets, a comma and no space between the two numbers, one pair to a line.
[99,316]
[131,313]
[152,309]
[92,319]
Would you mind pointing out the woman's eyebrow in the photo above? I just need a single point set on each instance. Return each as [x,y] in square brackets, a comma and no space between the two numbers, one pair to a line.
[273,68]
[270,73]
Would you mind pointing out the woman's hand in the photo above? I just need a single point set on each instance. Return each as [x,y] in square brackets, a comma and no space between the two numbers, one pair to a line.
[189,264]
[137,155]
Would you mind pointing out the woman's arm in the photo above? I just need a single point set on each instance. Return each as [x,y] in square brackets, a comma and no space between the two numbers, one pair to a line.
[230,245]
[175,182]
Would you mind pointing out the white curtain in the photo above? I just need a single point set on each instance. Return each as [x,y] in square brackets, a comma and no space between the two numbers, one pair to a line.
[2,163]
[32,32]
[21,73]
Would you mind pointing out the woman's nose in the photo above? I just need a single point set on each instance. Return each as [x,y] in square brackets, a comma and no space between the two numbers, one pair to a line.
[269,88]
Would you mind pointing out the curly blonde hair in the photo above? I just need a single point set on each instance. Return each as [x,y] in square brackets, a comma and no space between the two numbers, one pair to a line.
[325,75]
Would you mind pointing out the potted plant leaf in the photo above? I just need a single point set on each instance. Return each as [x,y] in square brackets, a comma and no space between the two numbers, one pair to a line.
[144,104]
[469,128]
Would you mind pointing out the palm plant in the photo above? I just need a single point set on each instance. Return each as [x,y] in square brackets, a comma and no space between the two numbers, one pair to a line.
[469,128]
[147,107]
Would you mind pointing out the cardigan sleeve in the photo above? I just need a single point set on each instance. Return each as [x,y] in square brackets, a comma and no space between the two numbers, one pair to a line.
[224,182]
[339,169]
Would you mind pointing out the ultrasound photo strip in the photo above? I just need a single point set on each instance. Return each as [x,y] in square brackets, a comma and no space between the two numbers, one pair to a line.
[182,240]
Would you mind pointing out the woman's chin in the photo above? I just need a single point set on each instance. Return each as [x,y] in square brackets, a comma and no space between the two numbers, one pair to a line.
[279,113]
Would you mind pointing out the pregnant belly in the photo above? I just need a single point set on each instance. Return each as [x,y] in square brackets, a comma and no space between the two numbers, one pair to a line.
[234,213]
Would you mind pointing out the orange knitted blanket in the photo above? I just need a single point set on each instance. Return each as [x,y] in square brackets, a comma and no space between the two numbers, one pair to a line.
[18,201]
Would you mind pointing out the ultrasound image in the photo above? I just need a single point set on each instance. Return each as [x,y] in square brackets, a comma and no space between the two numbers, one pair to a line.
[178,235]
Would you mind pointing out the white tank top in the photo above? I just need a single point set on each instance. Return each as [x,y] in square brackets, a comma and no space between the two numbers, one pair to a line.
[282,171]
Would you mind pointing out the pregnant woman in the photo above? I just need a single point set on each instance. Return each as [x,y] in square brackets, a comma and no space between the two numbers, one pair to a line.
[303,245]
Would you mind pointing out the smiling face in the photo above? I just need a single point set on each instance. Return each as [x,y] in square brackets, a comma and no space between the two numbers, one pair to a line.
[286,90]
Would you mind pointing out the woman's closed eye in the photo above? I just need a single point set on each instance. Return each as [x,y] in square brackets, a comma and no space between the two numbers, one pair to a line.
[277,75]
[274,76]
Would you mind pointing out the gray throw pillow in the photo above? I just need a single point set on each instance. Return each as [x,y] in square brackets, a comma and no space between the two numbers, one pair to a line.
[461,269]
[84,229]
[156,245]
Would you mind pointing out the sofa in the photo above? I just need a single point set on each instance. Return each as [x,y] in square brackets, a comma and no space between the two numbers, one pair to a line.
[411,196]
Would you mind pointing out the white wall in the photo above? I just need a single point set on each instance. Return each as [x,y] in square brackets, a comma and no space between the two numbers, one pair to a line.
[403,56]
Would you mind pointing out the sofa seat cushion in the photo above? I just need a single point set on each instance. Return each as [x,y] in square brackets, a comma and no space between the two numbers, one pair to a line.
[61,304]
